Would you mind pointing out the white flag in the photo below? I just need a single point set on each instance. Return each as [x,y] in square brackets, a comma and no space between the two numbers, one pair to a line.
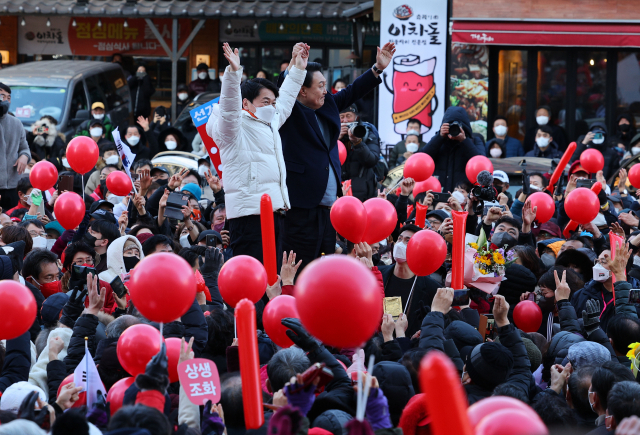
[86,376]
[124,151]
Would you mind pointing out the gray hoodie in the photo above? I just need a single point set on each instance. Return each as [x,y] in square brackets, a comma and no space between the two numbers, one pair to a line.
[13,144]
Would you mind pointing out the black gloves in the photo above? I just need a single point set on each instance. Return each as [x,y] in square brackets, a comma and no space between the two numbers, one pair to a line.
[212,261]
[602,197]
[591,316]
[156,375]
[27,411]
[299,335]
[526,189]
[74,307]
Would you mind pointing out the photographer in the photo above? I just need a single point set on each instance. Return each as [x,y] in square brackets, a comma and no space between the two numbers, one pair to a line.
[451,152]
[362,153]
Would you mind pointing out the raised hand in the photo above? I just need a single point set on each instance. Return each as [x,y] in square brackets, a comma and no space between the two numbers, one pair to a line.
[289,268]
[385,54]
[145,182]
[528,216]
[96,300]
[215,183]
[302,58]
[176,179]
[143,122]
[406,187]
[163,201]
[563,292]
[232,56]
[500,311]
[442,300]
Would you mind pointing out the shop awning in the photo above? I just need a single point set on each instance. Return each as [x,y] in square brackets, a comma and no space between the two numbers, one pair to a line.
[546,34]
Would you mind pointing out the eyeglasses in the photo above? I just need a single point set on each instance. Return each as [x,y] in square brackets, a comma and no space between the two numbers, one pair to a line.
[600,261]
[81,261]
[34,233]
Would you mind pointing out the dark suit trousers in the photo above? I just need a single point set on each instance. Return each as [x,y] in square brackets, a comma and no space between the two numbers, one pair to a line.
[246,236]
[308,232]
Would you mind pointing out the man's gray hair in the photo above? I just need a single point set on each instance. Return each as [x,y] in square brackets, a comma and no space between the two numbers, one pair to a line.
[285,364]
[118,326]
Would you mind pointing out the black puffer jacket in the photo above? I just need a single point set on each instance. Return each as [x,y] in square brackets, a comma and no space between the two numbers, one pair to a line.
[560,344]
[395,382]
[17,362]
[85,326]
[611,157]
[360,163]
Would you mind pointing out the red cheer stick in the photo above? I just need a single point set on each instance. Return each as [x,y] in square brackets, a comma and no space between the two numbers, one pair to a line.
[457,249]
[249,364]
[421,214]
[573,225]
[268,239]
[560,168]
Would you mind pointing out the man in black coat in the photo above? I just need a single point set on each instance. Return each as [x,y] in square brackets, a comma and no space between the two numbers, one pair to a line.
[310,147]
[451,153]
[141,91]
[596,138]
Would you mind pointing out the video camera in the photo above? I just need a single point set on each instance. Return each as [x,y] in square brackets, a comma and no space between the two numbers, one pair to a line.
[485,191]
[358,129]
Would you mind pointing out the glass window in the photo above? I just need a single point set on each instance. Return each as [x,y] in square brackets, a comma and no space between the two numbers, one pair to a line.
[95,93]
[512,90]
[591,80]
[30,103]
[78,101]
[119,82]
[552,83]
[629,83]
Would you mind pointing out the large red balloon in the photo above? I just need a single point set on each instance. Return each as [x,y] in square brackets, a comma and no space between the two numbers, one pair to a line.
[592,160]
[82,154]
[162,287]
[419,166]
[527,316]
[277,309]
[634,176]
[512,422]
[426,252]
[43,175]
[116,393]
[136,346]
[484,407]
[349,322]
[349,218]
[431,183]
[69,210]
[119,183]
[173,353]
[17,309]
[582,205]
[477,164]
[342,152]
[242,277]
[82,397]
[546,206]
[381,220]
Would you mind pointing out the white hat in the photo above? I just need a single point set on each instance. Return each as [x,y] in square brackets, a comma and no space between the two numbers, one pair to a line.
[501,175]
[14,395]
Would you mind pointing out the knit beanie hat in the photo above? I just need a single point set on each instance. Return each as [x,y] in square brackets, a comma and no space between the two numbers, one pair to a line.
[415,419]
[587,353]
[14,395]
[535,356]
[462,334]
[489,365]
[518,279]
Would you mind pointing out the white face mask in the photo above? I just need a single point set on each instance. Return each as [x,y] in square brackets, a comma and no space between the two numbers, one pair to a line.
[600,274]
[543,142]
[171,144]
[133,140]
[98,116]
[203,75]
[65,163]
[111,160]
[50,243]
[495,152]
[113,199]
[500,130]
[412,147]
[202,169]
[600,220]
[635,150]
[184,241]
[400,252]
[636,260]
[598,141]
[39,242]
[416,132]
[95,132]
[542,120]
[265,113]
[27,171]
[183,96]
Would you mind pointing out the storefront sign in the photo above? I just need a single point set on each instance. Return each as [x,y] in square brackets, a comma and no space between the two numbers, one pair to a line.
[292,31]
[87,38]
[414,83]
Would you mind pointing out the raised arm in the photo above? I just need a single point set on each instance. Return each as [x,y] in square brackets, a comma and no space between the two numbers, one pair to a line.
[292,83]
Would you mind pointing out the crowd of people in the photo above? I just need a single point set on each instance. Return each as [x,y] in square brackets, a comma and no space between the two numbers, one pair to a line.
[578,371]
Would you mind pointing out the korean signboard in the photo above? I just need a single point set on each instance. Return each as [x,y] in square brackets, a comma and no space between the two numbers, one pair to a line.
[414,82]
[200,379]
[200,115]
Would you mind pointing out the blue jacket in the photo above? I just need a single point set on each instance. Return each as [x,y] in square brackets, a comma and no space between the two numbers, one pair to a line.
[552,151]
[512,145]
[306,156]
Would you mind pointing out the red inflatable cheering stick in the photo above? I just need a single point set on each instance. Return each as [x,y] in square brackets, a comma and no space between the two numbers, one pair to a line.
[457,250]
[268,239]
[560,168]
[249,364]
[421,214]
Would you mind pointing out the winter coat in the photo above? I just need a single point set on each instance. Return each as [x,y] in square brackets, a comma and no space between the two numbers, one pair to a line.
[85,326]
[552,151]
[141,91]
[511,147]
[450,156]
[17,361]
[13,144]
[625,137]
[432,338]
[56,372]
[360,163]
[250,149]
[557,135]
[107,125]
[396,156]
[595,290]
[198,86]
[338,394]
[395,382]
[115,259]
[49,146]
[611,157]
[560,344]
[38,375]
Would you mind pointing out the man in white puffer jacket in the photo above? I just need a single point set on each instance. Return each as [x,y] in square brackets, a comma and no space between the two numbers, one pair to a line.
[244,126]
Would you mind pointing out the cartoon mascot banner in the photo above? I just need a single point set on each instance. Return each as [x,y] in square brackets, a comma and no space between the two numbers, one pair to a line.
[414,83]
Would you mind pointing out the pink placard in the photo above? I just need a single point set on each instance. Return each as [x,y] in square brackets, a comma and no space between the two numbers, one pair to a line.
[200,379]
[23,112]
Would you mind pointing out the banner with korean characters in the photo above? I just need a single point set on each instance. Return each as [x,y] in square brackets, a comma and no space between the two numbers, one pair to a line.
[200,379]
[200,115]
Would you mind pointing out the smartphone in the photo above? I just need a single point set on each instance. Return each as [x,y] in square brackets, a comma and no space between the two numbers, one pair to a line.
[79,276]
[317,370]
[634,296]
[212,240]
[118,286]
[440,197]
[598,135]
[460,298]
[65,183]
[586,182]
[489,204]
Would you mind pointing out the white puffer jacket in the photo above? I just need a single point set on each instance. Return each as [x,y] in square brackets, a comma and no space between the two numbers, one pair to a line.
[250,149]
[115,258]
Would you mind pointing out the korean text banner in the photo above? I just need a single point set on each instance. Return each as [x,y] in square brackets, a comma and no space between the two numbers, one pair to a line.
[415,81]
[200,115]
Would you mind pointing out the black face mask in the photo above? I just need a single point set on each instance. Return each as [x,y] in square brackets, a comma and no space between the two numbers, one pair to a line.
[130,262]
[103,187]
[375,258]
[503,238]
[4,108]
[547,304]
[624,127]
[162,182]
[90,239]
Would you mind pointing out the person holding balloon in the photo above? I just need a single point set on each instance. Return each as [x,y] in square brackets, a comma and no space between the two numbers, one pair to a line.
[596,140]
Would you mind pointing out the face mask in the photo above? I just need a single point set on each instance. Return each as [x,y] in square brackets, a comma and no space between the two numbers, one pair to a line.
[591,404]
[598,141]
[141,74]
[543,142]
[542,120]
[386,261]
[39,242]
[218,227]
[202,75]
[495,152]
[500,130]
[90,239]
[548,259]
[600,274]
[130,262]
[244,77]
[547,304]
[111,160]
[183,96]
[635,150]
[624,127]
[4,108]
[171,144]
[113,199]
[265,113]
[49,288]
[383,242]
[162,182]
[65,163]
[27,171]
[95,132]
[400,252]
[503,239]
[184,241]
[28,200]
[412,147]
[375,259]
[636,261]
[98,116]
[50,243]
[202,169]
[600,220]
[416,132]
[133,140]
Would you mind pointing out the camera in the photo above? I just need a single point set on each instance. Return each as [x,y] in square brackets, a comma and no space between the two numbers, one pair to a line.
[358,129]
[485,191]
[454,129]
[79,276]
[174,205]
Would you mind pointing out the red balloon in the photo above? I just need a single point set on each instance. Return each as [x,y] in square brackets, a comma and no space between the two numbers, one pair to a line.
[116,393]
[582,205]
[119,183]
[592,160]
[333,278]
[173,353]
[43,175]
[82,397]
[69,210]
[82,154]
[137,345]
[477,164]
[381,220]
[279,308]
[17,309]
[419,166]
[160,278]
[634,176]
[349,218]
[527,316]
[512,422]
[546,206]
[431,183]
[242,277]
[484,407]
[426,252]
[342,152]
